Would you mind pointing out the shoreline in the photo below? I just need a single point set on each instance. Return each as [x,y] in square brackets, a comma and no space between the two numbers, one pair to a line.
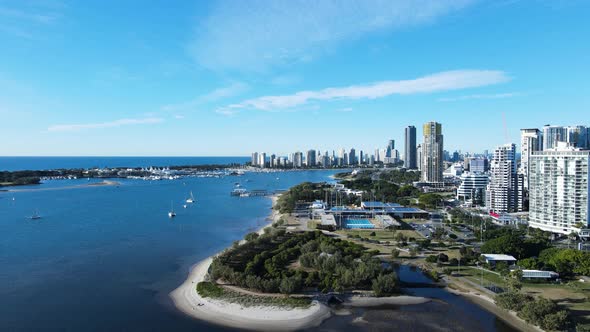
[186,299]
[488,304]
[105,183]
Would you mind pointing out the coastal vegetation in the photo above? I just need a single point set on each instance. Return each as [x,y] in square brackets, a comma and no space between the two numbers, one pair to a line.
[540,311]
[210,290]
[304,192]
[390,186]
[289,263]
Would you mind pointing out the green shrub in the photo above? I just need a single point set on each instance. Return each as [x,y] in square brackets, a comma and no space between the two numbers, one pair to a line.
[512,300]
[385,284]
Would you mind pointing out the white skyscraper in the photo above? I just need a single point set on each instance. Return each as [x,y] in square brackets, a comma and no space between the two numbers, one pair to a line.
[502,193]
[559,190]
[419,157]
[262,159]
[531,140]
[254,160]
[298,159]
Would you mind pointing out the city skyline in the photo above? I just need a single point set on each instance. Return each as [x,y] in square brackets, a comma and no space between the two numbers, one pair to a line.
[86,80]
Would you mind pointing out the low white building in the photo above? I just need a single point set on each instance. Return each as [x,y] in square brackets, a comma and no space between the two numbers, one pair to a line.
[538,274]
[493,259]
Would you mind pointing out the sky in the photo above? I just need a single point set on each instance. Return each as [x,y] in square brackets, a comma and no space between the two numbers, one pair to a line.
[226,78]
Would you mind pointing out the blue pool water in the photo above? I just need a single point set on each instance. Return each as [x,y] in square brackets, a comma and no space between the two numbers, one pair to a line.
[358,224]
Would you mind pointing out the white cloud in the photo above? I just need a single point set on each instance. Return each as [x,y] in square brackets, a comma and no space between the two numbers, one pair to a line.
[345,109]
[483,96]
[443,81]
[36,17]
[252,35]
[110,124]
[231,90]
[26,19]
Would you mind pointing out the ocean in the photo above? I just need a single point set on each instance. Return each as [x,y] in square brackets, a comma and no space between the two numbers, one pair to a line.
[47,163]
[104,258]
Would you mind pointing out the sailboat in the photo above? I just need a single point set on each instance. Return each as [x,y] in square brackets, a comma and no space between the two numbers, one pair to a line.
[191,199]
[35,216]
[171,214]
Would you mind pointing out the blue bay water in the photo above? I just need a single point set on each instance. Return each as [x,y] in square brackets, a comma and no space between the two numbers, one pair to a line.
[46,163]
[104,258]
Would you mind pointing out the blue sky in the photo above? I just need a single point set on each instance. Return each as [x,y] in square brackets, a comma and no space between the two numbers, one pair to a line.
[231,77]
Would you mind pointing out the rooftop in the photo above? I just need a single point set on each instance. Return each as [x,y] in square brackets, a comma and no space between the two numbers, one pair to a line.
[498,257]
[378,205]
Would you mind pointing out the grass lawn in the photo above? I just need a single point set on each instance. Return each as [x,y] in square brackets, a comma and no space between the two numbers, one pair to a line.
[475,275]
[574,295]
[416,221]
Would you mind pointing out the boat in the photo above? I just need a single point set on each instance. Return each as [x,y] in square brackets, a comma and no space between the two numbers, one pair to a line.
[184,206]
[238,192]
[35,216]
[191,199]
[171,214]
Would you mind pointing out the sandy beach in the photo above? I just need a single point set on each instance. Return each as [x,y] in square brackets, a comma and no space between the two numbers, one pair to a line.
[367,301]
[187,300]
[80,186]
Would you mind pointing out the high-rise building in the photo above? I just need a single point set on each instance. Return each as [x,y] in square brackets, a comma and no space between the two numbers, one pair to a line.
[273,160]
[352,157]
[577,136]
[419,157]
[473,188]
[502,195]
[559,189]
[531,140]
[298,159]
[390,148]
[410,148]
[432,153]
[361,157]
[262,159]
[310,158]
[254,160]
[552,135]
[478,165]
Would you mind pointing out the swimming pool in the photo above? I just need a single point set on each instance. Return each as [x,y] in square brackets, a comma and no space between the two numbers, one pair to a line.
[358,224]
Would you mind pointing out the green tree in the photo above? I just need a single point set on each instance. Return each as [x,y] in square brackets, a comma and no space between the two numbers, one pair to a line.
[510,244]
[395,253]
[514,285]
[512,300]
[251,236]
[385,284]
[430,200]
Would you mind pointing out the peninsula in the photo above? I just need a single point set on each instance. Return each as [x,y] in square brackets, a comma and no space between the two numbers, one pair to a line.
[279,280]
